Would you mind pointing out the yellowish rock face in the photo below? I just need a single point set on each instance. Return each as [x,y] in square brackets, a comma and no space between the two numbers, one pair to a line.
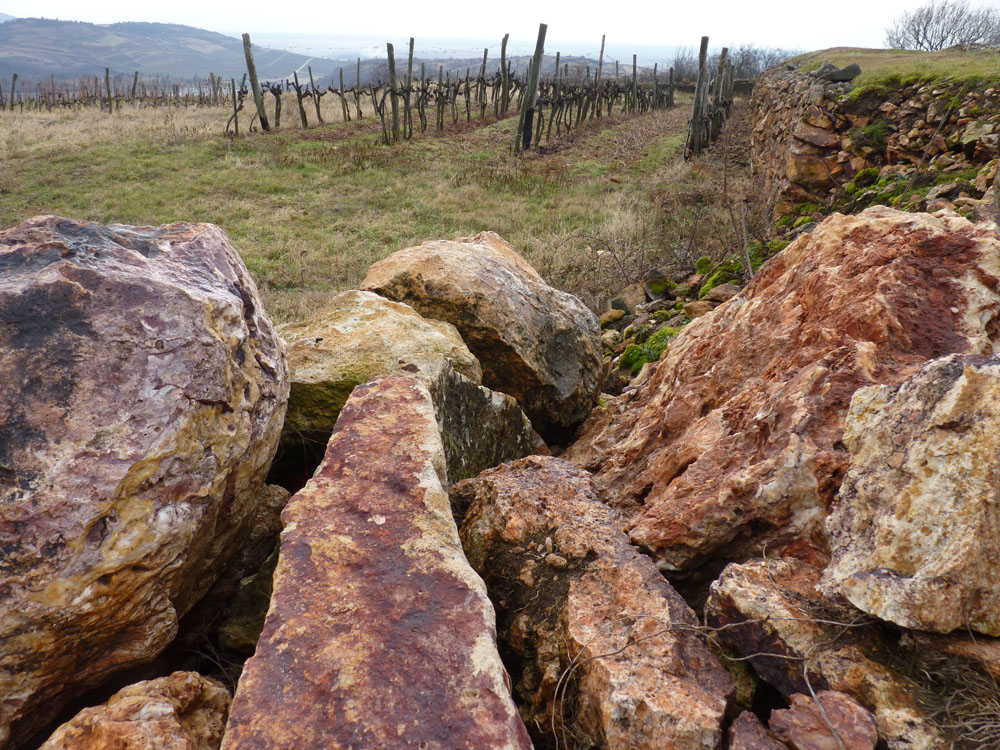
[183,711]
[914,529]
[143,396]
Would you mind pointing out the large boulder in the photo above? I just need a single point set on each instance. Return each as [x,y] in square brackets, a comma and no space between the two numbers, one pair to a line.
[915,530]
[735,442]
[355,337]
[602,649]
[142,396]
[770,612]
[379,633]
[183,711]
[536,343]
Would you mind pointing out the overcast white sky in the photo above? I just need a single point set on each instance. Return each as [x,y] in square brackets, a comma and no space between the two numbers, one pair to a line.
[798,24]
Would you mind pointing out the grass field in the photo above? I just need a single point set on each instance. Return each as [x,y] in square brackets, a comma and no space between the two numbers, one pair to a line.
[311,210]
[880,64]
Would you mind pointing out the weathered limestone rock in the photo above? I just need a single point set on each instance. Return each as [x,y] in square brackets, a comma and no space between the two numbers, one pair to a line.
[183,711]
[379,632]
[804,725]
[142,396]
[747,733]
[771,612]
[915,531]
[540,345]
[735,441]
[574,596]
[357,336]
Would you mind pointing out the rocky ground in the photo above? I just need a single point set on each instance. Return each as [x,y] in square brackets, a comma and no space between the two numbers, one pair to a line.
[770,528]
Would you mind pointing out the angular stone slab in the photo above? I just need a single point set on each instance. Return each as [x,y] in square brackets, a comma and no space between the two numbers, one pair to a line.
[142,390]
[580,609]
[379,633]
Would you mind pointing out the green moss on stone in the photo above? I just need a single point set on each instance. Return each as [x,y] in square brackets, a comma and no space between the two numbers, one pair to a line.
[636,355]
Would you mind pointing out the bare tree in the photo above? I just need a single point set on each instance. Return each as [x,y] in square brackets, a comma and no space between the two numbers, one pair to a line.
[685,64]
[749,61]
[945,23]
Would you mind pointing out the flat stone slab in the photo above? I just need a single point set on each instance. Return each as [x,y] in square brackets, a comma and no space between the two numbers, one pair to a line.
[379,635]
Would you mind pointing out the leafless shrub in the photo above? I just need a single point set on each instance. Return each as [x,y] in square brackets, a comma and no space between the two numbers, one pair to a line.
[948,23]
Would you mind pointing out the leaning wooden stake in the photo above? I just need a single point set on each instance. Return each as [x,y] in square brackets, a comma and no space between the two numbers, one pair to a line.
[258,100]
[528,108]
[13,90]
[107,86]
[315,94]
[298,96]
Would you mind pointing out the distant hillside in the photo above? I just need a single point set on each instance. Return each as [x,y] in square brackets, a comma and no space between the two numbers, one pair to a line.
[5,17]
[36,48]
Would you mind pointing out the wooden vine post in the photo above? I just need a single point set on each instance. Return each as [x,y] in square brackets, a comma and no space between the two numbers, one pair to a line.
[695,140]
[528,107]
[345,114]
[392,93]
[635,85]
[13,90]
[598,82]
[236,109]
[505,78]
[107,86]
[481,85]
[407,109]
[357,90]
[258,99]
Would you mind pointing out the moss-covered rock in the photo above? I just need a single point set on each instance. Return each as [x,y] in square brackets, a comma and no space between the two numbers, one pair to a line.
[638,354]
[356,337]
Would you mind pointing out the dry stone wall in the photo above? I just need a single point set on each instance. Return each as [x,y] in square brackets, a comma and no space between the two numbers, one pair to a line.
[846,146]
